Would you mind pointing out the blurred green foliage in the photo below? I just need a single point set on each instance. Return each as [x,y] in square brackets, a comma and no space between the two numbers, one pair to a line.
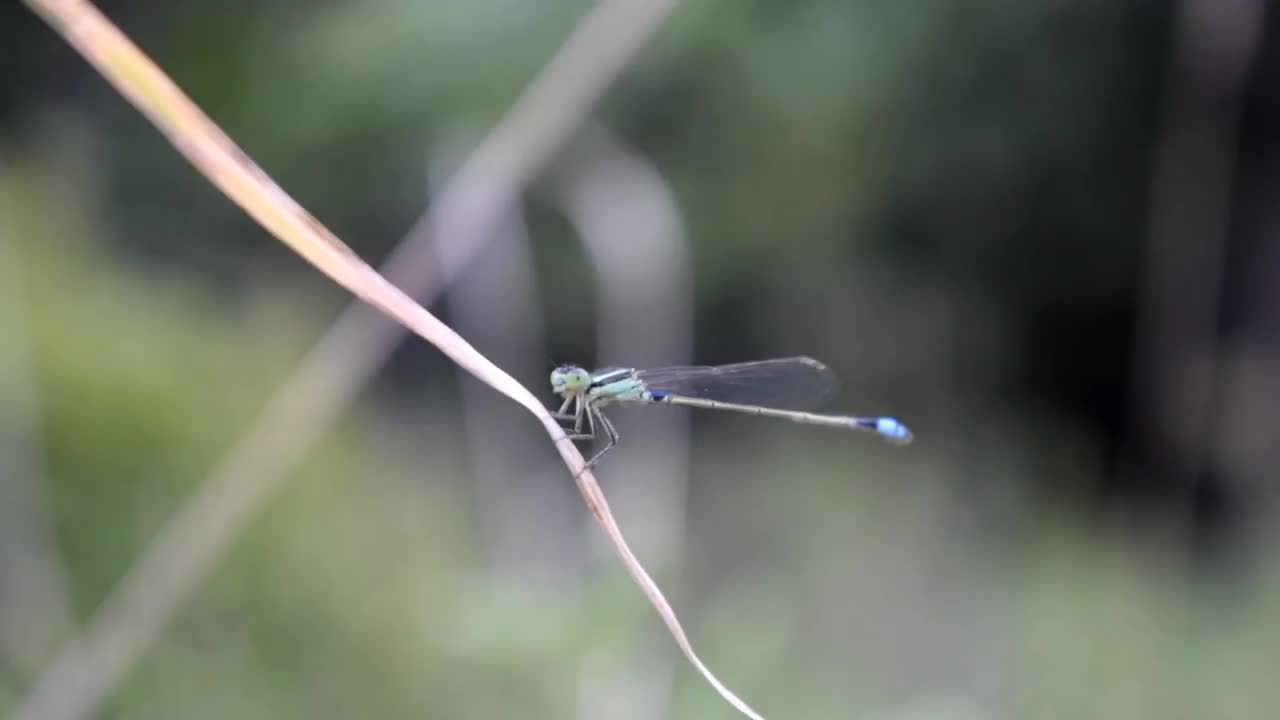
[909,190]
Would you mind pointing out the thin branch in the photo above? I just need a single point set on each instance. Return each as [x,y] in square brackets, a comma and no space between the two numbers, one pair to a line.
[627,219]
[188,547]
[533,535]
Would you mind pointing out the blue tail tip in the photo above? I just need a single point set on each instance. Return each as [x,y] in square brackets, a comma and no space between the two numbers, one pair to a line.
[893,430]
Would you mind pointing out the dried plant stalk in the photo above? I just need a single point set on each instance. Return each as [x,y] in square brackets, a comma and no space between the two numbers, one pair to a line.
[214,154]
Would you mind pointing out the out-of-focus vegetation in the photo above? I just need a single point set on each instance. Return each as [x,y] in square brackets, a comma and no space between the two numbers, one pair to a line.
[946,204]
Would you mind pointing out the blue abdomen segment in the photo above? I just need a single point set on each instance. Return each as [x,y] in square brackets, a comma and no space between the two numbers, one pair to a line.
[888,427]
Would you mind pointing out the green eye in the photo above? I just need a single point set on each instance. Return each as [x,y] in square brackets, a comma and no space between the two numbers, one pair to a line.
[568,378]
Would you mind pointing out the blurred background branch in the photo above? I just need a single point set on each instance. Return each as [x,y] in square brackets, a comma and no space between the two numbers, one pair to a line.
[1183,284]
[35,605]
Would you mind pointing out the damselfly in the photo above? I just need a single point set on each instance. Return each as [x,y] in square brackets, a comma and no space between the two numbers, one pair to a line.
[773,388]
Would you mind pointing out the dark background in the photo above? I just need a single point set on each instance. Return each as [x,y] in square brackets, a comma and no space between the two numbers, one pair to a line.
[1043,234]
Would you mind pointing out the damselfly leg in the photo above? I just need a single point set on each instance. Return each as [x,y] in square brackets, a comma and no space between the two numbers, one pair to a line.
[609,430]
[588,414]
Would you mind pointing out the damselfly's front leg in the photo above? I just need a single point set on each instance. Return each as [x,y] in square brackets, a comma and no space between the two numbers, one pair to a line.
[609,430]
[576,416]
[563,413]
[564,408]
[584,410]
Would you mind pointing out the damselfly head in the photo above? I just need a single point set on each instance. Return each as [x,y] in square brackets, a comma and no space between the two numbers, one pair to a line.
[569,379]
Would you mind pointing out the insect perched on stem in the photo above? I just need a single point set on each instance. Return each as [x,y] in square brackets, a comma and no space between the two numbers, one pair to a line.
[763,387]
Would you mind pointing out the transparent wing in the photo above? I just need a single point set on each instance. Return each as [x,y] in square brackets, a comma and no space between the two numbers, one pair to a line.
[795,383]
